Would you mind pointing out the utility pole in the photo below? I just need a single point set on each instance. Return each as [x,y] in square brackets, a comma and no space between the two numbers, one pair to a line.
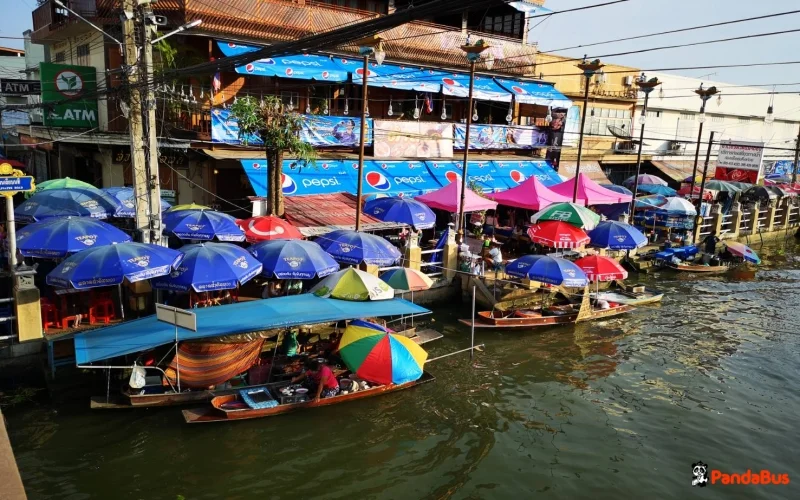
[151,143]
[135,77]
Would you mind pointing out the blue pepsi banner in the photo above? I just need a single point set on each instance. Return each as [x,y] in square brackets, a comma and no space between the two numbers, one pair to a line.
[323,177]
[395,76]
[481,174]
[779,168]
[321,130]
[515,172]
[407,178]
[302,66]
[484,88]
[541,94]
[483,137]
[226,129]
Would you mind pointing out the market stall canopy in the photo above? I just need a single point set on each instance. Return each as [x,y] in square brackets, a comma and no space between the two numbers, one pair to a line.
[395,76]
[531,194]
[125,196]
[541,94]
[293,259]
[546,269]
[407,279]
[678,206]
[404,210]
[656,189]
[600,268]
[67,202]
[449,198]
[377,355]
[555,234]
[202,225]
[243,317]
[571,213]
[616,235]
[484,88]
[268,227]
[301,66]
[355,248]
[208,267]
[590,192]
[353,284]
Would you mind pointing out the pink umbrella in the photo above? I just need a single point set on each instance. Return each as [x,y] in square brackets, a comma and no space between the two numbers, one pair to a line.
[590,192]
[531,194]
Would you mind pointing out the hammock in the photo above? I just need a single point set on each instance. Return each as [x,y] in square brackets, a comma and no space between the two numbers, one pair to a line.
[203,364]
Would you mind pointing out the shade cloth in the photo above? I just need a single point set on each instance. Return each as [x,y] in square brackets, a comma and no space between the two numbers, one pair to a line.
[589,192]
[449,198]
[203,364]
[243,317]
[541,94]
[484,88]
[531,194]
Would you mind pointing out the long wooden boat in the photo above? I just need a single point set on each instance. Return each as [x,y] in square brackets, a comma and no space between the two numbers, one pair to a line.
[216,411]
[694,268]
[534,319]
[619,296]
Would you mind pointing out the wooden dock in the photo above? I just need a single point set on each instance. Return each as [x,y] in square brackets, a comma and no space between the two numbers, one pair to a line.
[10,479]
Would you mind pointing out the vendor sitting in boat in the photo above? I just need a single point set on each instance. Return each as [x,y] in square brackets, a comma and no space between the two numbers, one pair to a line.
[320,378]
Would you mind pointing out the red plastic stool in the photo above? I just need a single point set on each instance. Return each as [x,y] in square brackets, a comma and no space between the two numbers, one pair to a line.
[101,310]
[49,315]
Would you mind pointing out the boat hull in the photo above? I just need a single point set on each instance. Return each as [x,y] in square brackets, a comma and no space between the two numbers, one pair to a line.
[211,414]
[687,268]
[648,297]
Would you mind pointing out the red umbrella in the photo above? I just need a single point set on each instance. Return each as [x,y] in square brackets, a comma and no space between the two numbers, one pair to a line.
[599,268]
[268,228]
[557,234]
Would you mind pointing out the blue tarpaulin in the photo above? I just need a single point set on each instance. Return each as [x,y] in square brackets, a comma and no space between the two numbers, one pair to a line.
[395,76]
[323,177]
[515,172]
[317,130]
[480,173]
[302,66]
[226,129]
[535,93]
[499,137]
[244,317]
[407,178]
[484,88]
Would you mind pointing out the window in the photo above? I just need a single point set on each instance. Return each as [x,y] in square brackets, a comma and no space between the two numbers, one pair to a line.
[717,118]
[626,113]
[508,24]
[60,57]
[687,116]
[604,112]
[654,114]
[744,119]
[82,53]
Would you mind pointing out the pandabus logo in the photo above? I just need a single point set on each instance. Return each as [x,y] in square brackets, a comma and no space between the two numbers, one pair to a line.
[703,476]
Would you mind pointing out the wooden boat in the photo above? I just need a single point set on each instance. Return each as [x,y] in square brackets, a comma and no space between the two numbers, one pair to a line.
[626,297]
[232,407]
[694,268]
[167,397]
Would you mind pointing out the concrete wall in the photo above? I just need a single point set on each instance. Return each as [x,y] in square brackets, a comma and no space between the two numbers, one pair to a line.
[674,109]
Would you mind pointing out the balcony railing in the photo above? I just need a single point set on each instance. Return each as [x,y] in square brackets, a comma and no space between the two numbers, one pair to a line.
[190,121]
[51,14]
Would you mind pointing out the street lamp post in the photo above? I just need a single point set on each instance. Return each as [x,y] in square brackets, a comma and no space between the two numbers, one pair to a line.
[473,53]
[368,46]
[645,86]
[589,69]
[705,95]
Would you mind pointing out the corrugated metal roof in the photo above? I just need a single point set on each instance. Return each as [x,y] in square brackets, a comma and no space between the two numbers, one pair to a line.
[678,170]
[319,214]
[590,168]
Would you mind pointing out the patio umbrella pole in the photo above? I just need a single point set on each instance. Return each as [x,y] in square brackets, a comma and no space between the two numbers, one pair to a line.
[177,354]
[274,353]
[472,329]
[121,301]
[412,301]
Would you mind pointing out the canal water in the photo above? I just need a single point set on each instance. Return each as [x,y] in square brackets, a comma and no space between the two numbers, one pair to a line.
[615,409]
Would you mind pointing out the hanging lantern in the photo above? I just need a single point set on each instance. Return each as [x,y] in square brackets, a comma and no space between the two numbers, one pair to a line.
[475,113]
[416,108]
[347,106]
[444,110]
[390,112]
[549,118]
[510,115]
[366,111]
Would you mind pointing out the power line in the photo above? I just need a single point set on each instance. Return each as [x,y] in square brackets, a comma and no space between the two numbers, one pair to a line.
[681,30]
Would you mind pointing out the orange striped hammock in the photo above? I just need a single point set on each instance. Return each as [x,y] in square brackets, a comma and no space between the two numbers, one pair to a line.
[204,364]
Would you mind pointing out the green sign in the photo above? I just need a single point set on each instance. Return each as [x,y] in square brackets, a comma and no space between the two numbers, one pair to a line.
[74,88]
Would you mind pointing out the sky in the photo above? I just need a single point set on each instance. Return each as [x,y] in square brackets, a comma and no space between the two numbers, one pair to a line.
[634,17]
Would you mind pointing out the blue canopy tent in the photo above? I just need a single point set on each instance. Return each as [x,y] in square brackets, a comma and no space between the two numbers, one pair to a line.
[484,88]
[542,94]
[302,66]
[243,317]
[395,76]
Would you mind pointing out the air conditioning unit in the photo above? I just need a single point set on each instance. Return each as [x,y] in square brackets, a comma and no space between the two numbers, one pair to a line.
[675,146]
[628,81]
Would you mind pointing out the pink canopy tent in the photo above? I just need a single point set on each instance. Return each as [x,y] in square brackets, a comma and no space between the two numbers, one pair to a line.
[590,192]
[531,194]
[449,198]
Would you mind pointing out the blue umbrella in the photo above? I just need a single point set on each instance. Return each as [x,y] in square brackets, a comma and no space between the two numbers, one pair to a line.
[546,269]
[404,210]
[61,236]
[207,267]
[657,189]
[618,189]
[126,199]
[650,202]
[202,225]
[111,264]
[293,259]
[66,202]
[351,247]
[617,236]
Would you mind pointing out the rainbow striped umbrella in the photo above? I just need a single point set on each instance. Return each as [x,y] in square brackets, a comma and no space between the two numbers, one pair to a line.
[406,279]
[743,251]
[375,354]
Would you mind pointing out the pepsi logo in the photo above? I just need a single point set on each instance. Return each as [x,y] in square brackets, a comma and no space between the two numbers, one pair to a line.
[250,68]
[435,165]
[360,72]
[452,176]
[402,67]
[232,45]
[481,164]
[289,71]
[256,166]
[378,181]
[423,85]
[384,166]
[394,83]
[449,81]
[345,61]
[325,75]
[517,176]
[325,166]
[355,166]
[288,185]
[410,166]
[518,90]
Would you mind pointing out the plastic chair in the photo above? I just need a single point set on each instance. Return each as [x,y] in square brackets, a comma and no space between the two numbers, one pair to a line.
[49,315]
[101,309]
